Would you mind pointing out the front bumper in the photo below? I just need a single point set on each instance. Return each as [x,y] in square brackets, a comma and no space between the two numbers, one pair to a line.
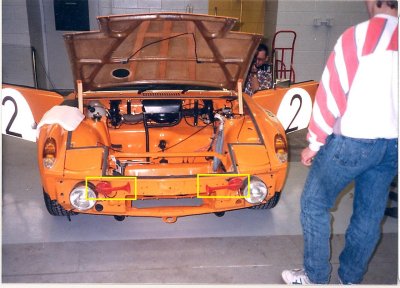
[128,202]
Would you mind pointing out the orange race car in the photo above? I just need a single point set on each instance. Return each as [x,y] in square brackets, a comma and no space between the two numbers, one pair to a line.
[158,124]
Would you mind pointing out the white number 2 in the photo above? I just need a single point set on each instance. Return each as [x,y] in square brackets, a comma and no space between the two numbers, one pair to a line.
[295,110]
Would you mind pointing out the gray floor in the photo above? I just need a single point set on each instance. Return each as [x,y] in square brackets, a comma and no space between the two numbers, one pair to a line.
[243,247]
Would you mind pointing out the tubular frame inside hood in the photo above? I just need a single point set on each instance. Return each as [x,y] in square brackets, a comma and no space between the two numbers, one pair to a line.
[161,48]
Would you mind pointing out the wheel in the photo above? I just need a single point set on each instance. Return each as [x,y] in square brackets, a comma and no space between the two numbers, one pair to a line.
[54,208]
[219,214]
[271,203]
[119,217]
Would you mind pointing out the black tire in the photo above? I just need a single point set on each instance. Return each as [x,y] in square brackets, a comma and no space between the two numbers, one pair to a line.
[54,208]
[119,218]
[271,203]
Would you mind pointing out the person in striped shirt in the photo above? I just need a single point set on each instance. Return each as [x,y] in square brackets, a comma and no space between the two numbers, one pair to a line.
[353,136]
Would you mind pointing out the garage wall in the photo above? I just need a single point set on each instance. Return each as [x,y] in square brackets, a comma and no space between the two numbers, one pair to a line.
[16,54]
[58,66]
[107,7]
[37,40]
[271,15]
[313,45]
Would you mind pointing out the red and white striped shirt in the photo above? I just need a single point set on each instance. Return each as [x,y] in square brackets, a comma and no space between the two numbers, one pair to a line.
[358,93]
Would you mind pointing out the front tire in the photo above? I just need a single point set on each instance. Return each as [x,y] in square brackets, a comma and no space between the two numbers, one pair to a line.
[271,203]
[54,208]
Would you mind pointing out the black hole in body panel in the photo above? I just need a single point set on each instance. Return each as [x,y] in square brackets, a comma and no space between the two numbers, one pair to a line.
[120,73]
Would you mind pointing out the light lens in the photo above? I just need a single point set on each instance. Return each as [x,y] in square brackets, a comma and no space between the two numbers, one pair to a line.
[258,190]
[281,148]
[80,200]
[49,153]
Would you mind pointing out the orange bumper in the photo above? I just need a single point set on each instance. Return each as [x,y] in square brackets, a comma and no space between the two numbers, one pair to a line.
[128,195]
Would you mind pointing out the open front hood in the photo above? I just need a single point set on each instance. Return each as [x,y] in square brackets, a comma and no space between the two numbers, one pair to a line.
[161,48]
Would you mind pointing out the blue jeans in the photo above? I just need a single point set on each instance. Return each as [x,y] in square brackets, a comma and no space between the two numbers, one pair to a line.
[372,164]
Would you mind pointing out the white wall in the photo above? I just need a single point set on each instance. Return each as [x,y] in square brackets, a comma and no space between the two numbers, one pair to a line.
[271,9]
[16,54]
[107,7]
[314,44]
[58,64]
[58,67]
[37,40]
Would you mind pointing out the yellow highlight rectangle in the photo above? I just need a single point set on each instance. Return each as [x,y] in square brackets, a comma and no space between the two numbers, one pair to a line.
[223,175]
[111,178]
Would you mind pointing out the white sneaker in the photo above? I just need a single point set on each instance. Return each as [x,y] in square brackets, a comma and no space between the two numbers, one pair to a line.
[295,276]
[341,282]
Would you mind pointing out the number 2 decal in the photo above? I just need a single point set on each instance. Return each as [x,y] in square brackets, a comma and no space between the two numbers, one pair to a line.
[291,129]
[14,115]
[295,110]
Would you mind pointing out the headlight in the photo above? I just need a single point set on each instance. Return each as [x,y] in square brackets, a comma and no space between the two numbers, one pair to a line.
[79,197]
[258,190]
[281,148]
[49,153]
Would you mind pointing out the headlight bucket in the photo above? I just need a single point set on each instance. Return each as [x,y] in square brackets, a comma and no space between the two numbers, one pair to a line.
[281,149]
[49,153]
[258,190]
[79,197]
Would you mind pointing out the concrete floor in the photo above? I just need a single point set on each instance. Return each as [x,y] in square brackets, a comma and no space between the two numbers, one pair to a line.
[243,247]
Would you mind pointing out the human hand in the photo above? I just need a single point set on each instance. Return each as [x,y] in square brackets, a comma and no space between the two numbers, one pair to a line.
[253,68]
[255,85]
[307,156]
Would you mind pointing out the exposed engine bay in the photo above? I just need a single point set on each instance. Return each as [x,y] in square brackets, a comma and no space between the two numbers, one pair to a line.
[157,113]
[162,133]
